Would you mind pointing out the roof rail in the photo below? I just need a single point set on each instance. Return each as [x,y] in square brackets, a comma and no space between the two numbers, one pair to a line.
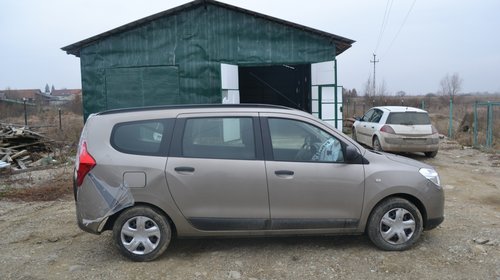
[191,106]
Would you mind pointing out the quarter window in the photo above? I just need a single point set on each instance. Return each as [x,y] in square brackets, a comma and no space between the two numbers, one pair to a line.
[224,138]
[299,141]
[142,138]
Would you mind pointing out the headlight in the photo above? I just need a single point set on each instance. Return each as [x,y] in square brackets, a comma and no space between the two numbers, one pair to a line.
[430,174]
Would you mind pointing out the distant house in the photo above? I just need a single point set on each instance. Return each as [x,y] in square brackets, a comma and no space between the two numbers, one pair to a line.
[28,95]
[62,96]
[32,96]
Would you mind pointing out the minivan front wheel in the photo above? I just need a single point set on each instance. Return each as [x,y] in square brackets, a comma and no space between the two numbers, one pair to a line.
[141,233]
[395,224]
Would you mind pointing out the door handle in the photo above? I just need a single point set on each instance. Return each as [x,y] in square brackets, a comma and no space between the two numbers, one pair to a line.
[184,169]
[284,172]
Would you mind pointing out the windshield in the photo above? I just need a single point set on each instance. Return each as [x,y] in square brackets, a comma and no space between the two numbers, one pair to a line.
[408,118]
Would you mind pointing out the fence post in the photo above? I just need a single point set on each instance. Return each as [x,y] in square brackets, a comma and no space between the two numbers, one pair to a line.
[423,104]
[25,113]
[450,129]
[475,124]
[60,122]
[347,107]
[489,125]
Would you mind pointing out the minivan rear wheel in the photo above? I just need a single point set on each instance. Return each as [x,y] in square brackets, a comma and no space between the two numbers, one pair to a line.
[141,233]
[395,224]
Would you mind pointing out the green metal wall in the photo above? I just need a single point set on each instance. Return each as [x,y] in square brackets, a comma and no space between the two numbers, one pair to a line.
[195,42]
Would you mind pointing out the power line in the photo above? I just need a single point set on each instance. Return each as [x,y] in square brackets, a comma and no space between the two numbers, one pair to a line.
[385,19]
[401,27]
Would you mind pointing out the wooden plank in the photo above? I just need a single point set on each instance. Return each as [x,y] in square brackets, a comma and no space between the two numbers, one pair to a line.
[30,144]
[21,164]
[19,154]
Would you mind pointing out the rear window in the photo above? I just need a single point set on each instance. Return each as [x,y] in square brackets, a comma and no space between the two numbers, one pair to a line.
[141,138]
[408,118]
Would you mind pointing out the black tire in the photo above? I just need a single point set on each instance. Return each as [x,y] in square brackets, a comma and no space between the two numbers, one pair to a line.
[395,224]
[431,154]
[376,144]
[147,243]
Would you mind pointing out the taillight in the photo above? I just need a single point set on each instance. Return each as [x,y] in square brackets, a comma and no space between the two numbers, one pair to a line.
[86,163]
[387,129]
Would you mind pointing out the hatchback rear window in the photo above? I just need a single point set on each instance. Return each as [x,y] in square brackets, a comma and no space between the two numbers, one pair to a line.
[408,118]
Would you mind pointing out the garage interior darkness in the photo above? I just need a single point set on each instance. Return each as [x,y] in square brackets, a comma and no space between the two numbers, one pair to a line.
[286,85]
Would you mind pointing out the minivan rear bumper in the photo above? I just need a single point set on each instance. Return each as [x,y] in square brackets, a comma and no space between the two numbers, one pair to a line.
[94,227]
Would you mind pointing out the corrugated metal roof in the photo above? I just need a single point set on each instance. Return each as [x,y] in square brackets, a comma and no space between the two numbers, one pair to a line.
[341,43]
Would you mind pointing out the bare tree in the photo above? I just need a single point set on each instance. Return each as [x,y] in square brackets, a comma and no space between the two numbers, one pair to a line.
[369,92]
[382,90]
[401,93]
[451,85]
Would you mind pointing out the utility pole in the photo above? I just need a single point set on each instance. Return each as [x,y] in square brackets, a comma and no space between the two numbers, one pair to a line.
[374,61]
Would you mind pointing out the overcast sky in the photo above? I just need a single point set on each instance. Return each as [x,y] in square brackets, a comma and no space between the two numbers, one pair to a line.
[438,37]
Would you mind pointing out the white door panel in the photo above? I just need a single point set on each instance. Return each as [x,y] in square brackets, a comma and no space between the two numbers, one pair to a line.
[324,103]
[323,73]
[229,84]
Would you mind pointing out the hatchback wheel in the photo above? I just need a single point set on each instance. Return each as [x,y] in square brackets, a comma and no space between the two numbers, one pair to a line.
[141,233]
[376,144]
[395,224]
[431,154]
[354,137]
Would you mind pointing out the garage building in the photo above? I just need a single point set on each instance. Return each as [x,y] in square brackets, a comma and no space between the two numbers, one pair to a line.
[210,52]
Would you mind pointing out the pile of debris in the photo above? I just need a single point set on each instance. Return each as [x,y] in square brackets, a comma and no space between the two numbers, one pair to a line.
[22,148]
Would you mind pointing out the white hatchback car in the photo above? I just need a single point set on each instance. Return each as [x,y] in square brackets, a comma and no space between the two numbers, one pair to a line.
[397,129]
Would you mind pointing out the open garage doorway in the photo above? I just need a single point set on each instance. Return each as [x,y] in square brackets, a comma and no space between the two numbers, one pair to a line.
[286,85]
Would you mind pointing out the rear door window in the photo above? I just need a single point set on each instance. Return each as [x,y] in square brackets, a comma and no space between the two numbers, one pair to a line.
[367,115]
[219,137]
[376,116]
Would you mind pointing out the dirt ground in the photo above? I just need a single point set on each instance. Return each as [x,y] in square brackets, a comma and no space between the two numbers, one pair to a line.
[40,239]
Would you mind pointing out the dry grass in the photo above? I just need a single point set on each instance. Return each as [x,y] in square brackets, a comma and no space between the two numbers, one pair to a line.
[45,120]
[58,188]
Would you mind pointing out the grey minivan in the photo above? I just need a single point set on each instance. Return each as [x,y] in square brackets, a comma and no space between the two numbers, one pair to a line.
[149,174]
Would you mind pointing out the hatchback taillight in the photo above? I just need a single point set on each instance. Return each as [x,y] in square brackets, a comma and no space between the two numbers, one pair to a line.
[387,129]
[86,163]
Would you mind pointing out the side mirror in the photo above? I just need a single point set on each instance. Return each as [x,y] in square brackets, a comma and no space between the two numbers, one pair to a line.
[351,154]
